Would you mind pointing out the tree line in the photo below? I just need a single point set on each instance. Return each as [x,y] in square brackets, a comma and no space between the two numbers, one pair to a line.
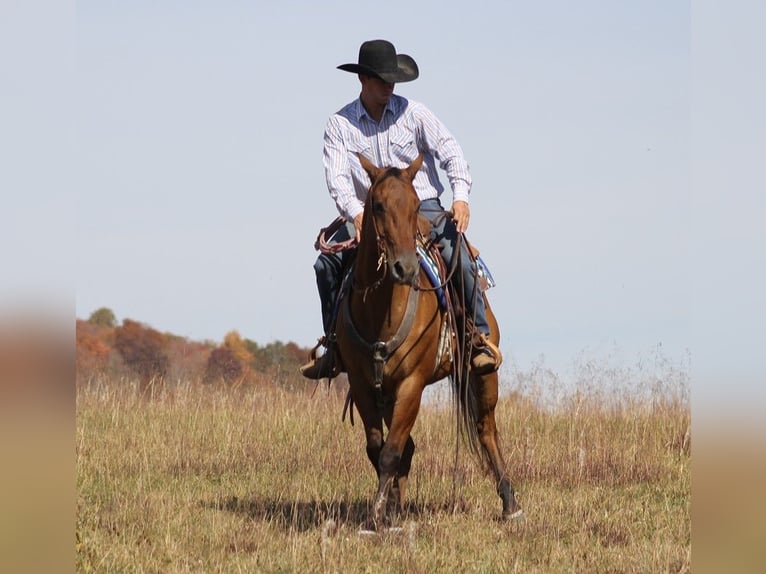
[133,349]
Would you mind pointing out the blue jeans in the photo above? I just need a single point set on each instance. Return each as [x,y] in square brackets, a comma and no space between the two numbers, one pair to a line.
[329,267]
[444,233]
[329,273]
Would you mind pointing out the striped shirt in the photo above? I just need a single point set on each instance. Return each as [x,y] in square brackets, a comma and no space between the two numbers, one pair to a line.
[405,129]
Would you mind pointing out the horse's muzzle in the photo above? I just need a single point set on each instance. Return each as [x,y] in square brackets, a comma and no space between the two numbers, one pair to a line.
[404,269]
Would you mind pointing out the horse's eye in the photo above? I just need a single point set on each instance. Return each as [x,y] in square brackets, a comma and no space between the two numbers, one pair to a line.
[378,208]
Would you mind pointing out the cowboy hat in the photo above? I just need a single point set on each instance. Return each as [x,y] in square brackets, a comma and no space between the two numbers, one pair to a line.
[379,58]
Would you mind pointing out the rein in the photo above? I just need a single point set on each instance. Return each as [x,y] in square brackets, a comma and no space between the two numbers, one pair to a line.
[382,260]
[323,245]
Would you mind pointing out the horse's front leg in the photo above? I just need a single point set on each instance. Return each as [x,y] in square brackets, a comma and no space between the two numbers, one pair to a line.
[396,454]
[367,407]
[399,485]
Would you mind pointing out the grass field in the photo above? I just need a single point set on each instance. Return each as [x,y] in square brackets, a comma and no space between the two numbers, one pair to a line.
[209,479]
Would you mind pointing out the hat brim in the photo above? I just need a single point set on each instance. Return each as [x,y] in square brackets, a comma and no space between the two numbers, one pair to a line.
[407,70]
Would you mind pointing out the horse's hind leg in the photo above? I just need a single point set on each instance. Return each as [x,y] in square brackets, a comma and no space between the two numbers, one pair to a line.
[486,399]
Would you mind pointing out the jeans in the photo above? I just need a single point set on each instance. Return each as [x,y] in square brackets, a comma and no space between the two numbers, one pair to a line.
[329,273]
[445,235]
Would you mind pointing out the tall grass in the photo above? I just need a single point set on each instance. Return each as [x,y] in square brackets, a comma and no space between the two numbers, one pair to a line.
[260,479]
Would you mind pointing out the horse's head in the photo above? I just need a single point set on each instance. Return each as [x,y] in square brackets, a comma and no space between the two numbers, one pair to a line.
[391,214]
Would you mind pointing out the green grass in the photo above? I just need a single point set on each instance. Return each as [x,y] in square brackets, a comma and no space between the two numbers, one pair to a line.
[207,479]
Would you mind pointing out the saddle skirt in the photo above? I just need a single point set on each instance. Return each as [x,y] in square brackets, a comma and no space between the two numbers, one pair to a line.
[434,269]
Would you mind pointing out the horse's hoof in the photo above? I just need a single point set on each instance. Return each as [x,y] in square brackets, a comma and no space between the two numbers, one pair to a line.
[515,516]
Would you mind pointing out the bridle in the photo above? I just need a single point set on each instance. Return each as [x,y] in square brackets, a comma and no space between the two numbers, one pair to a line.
[382,261]
[381,350]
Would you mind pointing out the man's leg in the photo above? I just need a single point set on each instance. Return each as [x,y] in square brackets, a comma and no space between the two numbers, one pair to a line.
[485,356]
[329,268]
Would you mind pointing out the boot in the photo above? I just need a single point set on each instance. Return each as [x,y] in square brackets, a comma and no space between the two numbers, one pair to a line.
[485,356]
[327,366]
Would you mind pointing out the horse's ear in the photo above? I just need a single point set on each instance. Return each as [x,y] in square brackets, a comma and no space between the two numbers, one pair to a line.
[412,169]
[370,168]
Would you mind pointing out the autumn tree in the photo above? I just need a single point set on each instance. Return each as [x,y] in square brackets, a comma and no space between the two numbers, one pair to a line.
[276,353]
[187,359]
[143,350]
[91,351]
[223,365]
[230,361]
[103,317]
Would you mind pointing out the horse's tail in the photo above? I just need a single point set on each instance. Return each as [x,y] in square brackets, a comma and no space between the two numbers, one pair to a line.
[464,397]
[464,400]
[466,413]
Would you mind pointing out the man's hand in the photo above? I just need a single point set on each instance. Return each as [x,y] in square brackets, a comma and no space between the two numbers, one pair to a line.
[461,214]
[358,227]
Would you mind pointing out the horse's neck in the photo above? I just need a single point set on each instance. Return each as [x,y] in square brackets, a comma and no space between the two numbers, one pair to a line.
[378,303]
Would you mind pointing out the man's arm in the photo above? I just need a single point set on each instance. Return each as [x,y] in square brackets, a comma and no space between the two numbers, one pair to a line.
[338,173]
[435,137]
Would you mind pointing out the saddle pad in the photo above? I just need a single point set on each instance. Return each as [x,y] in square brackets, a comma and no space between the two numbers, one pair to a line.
[432,270]
[485,277]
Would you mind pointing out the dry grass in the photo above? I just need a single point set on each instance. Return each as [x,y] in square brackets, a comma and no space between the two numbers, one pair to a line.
[204,479]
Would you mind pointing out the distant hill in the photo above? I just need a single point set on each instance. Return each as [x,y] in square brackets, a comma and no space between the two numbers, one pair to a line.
[134,349]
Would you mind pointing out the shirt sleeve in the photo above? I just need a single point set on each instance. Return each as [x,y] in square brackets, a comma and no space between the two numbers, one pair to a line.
[337,171]
[436,138]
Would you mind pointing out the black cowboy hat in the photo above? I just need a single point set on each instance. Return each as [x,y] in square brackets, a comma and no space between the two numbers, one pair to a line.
[379,58]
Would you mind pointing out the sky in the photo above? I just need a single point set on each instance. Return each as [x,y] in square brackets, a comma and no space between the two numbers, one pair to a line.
[195,131]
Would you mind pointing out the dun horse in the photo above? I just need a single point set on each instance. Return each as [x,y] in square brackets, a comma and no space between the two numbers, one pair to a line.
[389,334]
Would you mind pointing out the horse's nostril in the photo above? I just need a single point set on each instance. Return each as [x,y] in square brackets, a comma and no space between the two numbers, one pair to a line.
[403,271]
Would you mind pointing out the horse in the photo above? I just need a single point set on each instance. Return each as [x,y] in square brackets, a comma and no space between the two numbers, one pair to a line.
[390,336]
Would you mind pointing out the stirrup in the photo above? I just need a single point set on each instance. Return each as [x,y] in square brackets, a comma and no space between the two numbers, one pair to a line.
[325,367]
[485,356]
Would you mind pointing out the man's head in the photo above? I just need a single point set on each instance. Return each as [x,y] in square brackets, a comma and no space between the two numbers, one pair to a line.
[378,59]
[375,91]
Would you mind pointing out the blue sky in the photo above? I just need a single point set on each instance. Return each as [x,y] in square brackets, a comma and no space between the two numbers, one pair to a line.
[196,130]
[199,132]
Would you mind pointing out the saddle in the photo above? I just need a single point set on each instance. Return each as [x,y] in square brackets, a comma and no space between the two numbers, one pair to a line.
[428,254]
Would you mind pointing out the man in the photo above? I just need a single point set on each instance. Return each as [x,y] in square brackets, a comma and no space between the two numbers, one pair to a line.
[390,130]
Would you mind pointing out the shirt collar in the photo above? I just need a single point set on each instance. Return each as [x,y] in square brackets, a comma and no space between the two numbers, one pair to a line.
[392,106]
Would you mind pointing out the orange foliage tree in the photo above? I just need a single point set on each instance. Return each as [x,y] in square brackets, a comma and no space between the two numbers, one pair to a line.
[231,361]
[106,349]
[92,349]
[143,350]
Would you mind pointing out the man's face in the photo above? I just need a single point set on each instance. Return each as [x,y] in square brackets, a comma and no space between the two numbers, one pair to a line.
[376,90]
